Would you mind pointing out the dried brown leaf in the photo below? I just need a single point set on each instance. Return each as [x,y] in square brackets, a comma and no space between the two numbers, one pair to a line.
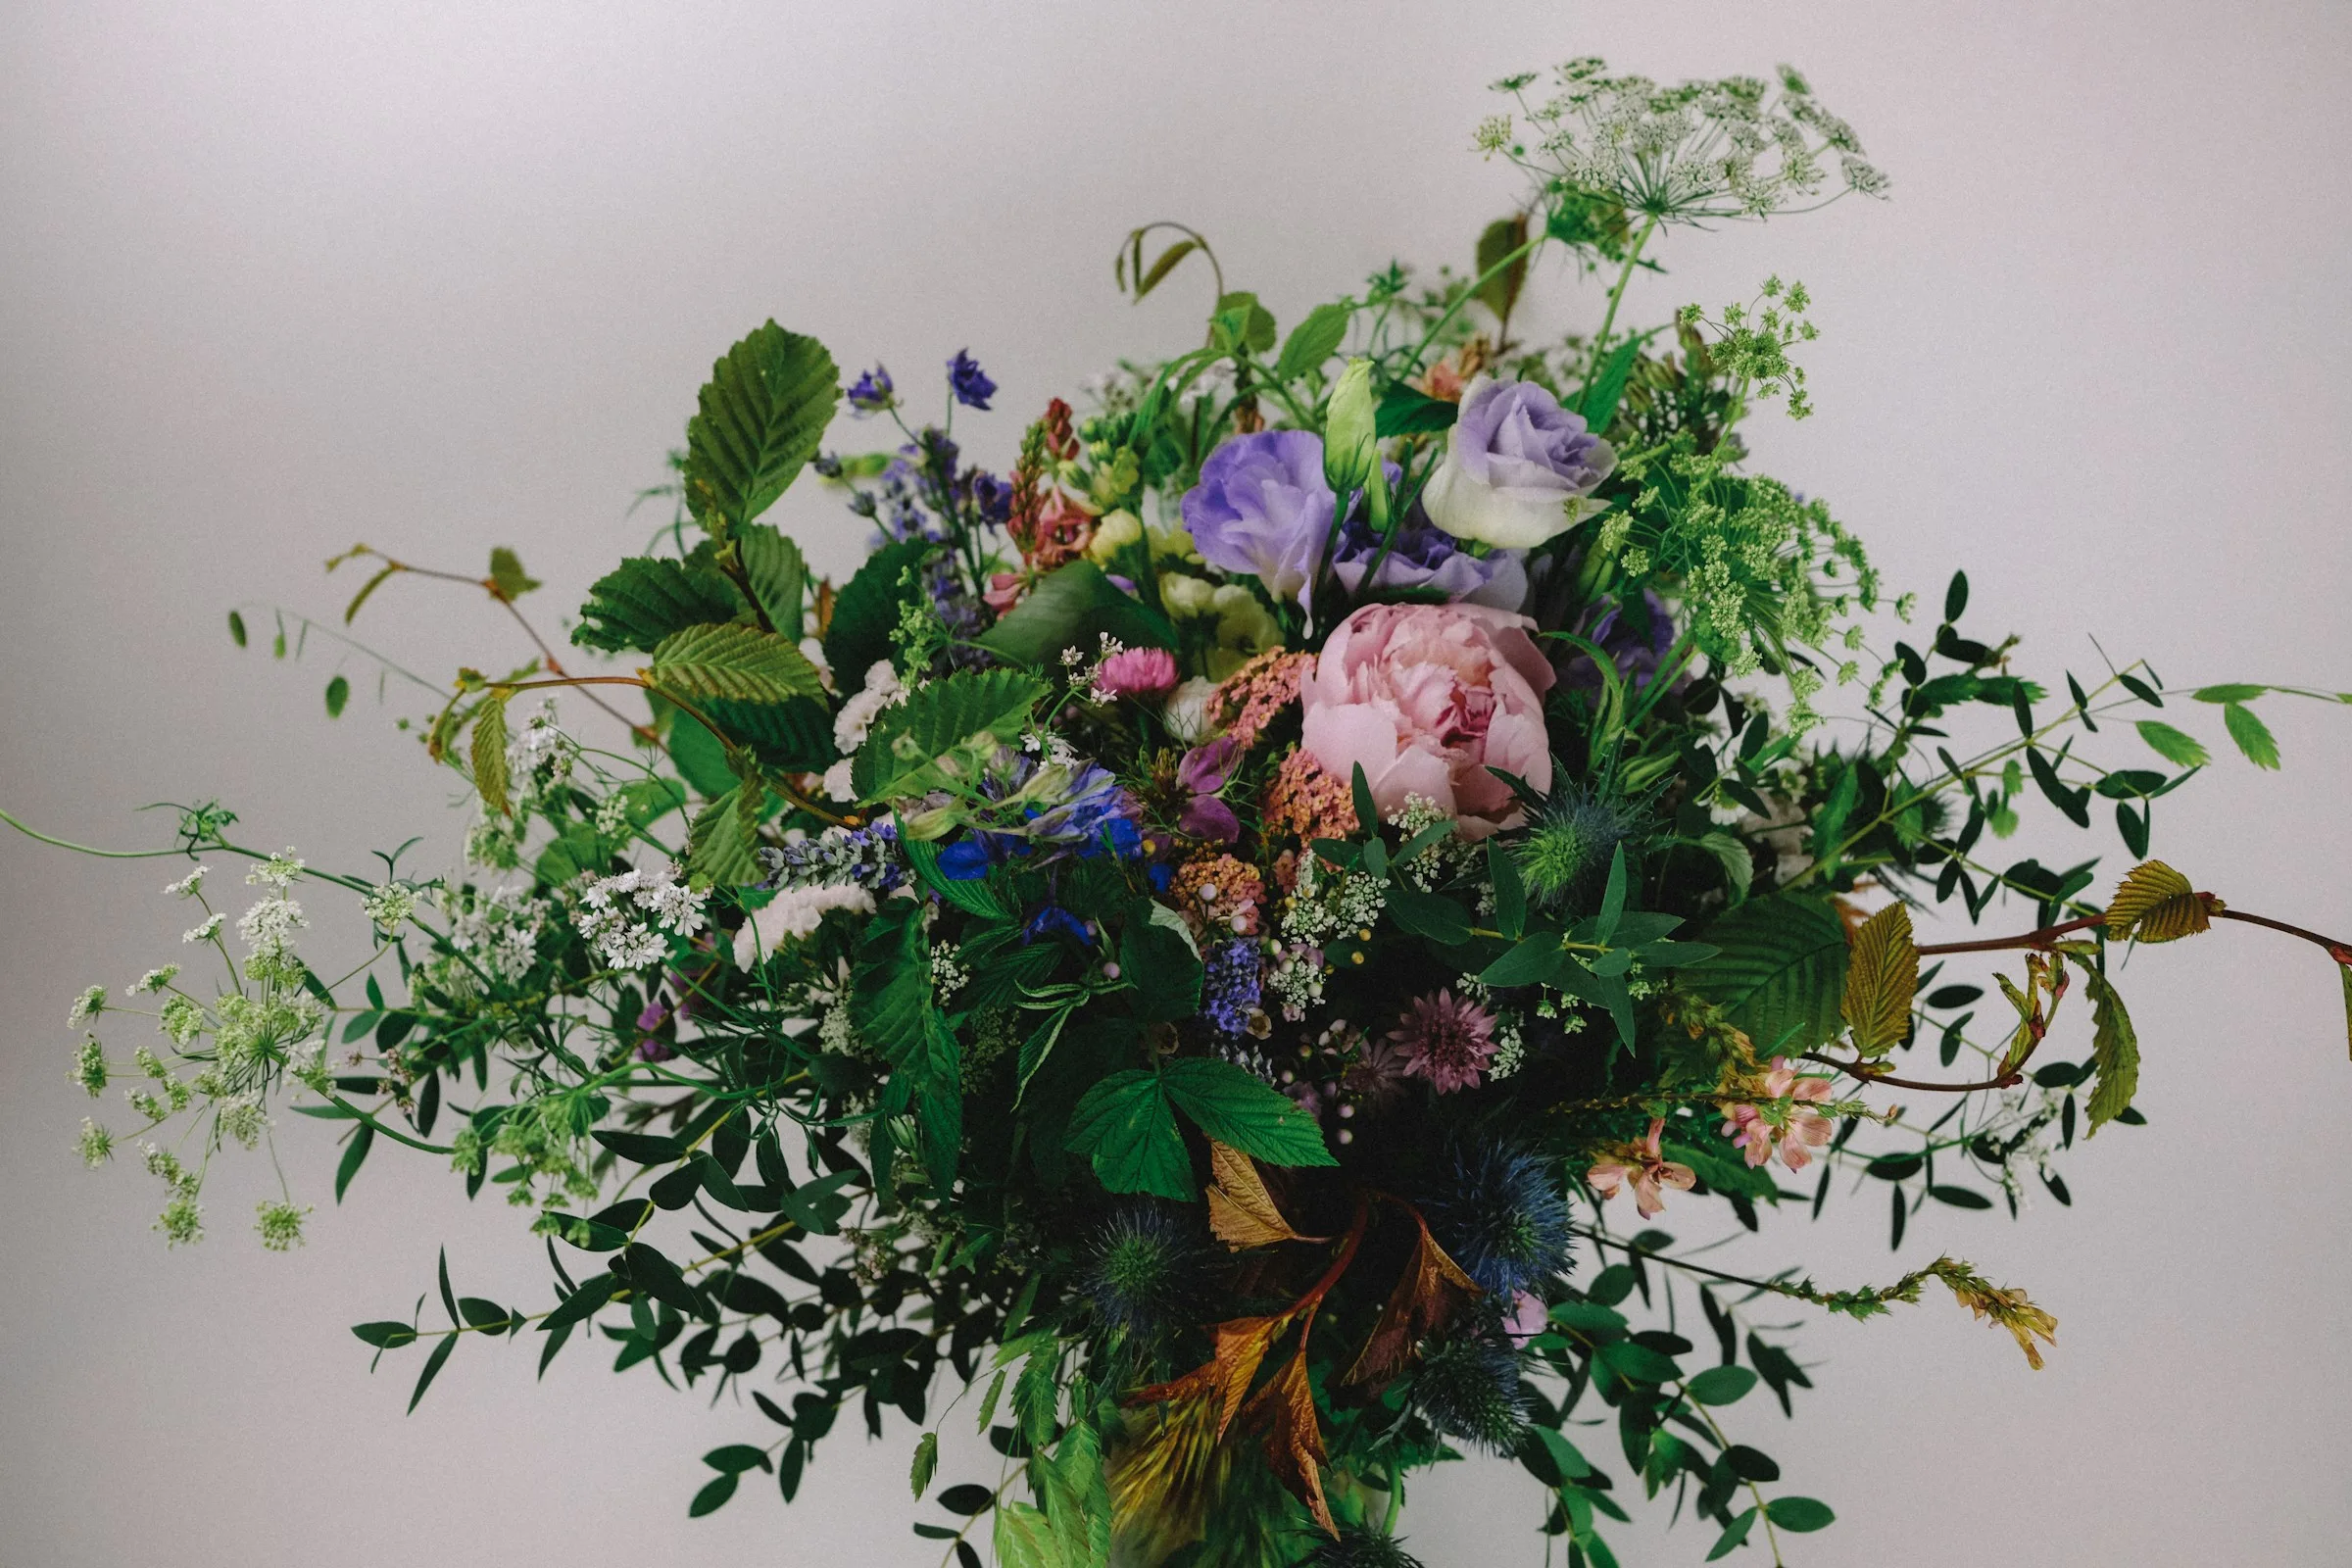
[1429,1291]
[1241,1210]
[1285,1411]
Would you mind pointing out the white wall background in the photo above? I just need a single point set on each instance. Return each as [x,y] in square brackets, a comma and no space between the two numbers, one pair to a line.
[274,277]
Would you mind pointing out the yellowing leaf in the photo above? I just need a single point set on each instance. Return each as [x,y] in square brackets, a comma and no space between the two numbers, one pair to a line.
[1881,975]
[1240,1212]
[489,754]
[2156,903]
[2115,1047]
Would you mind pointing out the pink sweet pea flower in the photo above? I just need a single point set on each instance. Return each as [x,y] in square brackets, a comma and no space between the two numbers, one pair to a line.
[1785,1121]
[1647,1169]
[1425,698]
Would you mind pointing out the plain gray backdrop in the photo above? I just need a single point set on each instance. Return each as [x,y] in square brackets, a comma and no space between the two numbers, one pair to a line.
[276,277]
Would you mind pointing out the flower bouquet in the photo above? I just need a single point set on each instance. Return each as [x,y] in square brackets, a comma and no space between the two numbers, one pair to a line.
[1187,961]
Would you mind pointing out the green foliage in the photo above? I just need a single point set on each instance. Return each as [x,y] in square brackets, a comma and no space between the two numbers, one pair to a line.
[778,576]
[736,662]
[2115,1049]
[489,754]
[649,599]
[1314,340]
[1780,973]
[2172,744]
[1126,1126]
[724,833]
[1075,605]
[1237,1110]
[866,611]
[909,749]
[2252,736]
[761,414]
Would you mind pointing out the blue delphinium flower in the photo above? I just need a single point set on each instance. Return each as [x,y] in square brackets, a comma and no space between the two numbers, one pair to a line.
[1229,987]
[872,392]
[969,383]
[1502,1216]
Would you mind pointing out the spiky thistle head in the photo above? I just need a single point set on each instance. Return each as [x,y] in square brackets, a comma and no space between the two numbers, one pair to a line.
[1572,840]
[1470,1390]
[1360,1548]
[1500,1213]
[1145,1268]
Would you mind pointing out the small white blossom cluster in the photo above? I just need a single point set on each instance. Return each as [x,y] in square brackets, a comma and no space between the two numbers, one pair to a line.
[1321,908]
[1448,857]
[1685,154]
[89,1004]
[496,931]
[1292,976]
[155,980]
[629,918]
[390,907]
[190,886]
[794,914]
[541,756]
[948,976]
[882,690]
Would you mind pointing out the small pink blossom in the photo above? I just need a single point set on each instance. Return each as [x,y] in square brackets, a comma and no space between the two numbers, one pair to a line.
[1649,1170]
[1136,672]
[1783,1119]
[1428,698]
[1529,1319]
[1447,1040]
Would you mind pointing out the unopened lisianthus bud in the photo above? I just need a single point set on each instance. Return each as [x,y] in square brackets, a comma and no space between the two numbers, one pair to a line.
[1351,437]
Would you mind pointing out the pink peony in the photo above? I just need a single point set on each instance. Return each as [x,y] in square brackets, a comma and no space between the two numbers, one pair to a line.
[1425,698]
[1446,1040]
[1136,672]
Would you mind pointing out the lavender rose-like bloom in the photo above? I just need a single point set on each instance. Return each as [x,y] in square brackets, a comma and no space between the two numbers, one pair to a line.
[1518,469]
[1424,556]
[1262,507]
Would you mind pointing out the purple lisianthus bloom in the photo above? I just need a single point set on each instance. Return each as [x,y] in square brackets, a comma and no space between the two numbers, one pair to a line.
[1262,507]
[872,392]
[1428,556]
[1519,468]
[1637,650]
[969,383]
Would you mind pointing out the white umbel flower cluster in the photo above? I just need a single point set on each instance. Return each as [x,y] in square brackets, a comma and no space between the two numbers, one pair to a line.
[629,918]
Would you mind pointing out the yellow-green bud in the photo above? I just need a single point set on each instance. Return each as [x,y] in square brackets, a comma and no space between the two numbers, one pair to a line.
[1352,441]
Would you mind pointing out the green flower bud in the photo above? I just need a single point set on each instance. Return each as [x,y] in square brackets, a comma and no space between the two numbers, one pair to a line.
[1352,441]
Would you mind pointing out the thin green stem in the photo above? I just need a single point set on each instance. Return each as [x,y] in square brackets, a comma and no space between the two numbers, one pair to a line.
[1608,319]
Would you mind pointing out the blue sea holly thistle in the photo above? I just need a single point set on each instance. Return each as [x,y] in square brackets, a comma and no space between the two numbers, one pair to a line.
[1176,958]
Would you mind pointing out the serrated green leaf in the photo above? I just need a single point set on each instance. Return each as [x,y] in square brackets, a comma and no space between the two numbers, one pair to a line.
[760,416]
[866,611]
[903,750]
[1025,1540]
[2252,735]
[2230,691]
[1315,339]
[2115,1049]
[1234,1108]
[791,737]
[489,756]
[1781,974]
[2176,747]
[1881,977]
[926,1463]
[719,844]
[737,661]
[778,576]
[646,598]
[1126,1127]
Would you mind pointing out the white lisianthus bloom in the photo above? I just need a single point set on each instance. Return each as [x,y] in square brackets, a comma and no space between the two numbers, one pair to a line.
[1519,468]
[1186,713]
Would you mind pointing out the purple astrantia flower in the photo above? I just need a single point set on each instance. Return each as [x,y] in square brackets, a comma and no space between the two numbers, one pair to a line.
[969,383]
[872,392]
[1425,555]
[1635,650]
[1262,507]
[1518,469]
[1229,987]
[1205,772]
